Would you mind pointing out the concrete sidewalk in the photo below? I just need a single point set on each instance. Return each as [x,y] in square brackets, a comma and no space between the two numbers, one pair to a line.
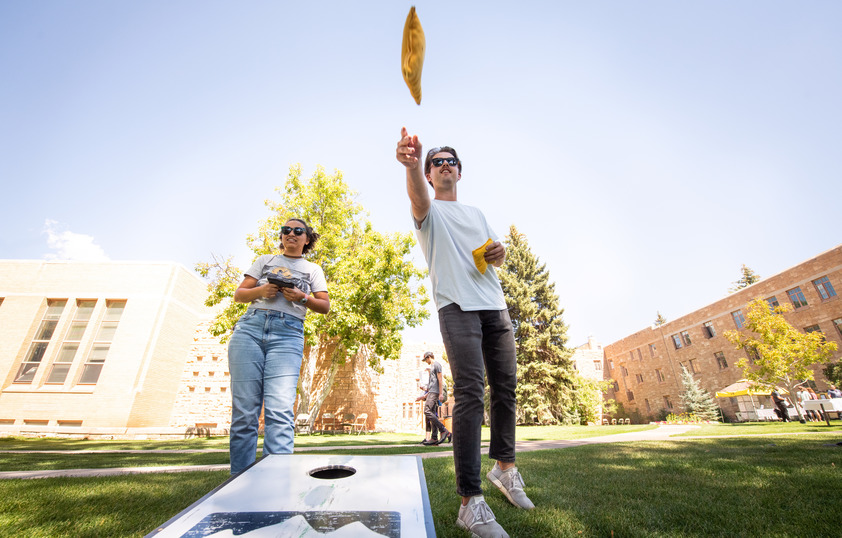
[662,433]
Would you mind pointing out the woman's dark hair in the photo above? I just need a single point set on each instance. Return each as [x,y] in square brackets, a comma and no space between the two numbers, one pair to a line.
[312,235]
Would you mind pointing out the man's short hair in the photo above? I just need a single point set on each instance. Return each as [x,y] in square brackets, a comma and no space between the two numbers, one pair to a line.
[428,354]
[428,162]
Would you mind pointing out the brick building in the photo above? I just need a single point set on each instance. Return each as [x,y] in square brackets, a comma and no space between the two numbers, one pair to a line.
[645,367]
[122,349]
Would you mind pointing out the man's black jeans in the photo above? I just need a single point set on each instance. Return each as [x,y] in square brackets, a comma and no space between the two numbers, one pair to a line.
[430,413]
[480,342]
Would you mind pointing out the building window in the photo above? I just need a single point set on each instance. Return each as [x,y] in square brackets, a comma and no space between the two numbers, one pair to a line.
[102,342]
[659,374]
[797,297]
[667,403]
[773,302]
[815,329]
[631,354]
[676,341]
[707,328]
[200,358]
[610,364]
[720,360]
[38,346]
[639,378]
[652,350]
[838,324]
[630,395]
[64,360]
[694,367]
[616,387]
[825,288]
[597,365]
[624,370]
[752,355]
[739,320]
[686,337]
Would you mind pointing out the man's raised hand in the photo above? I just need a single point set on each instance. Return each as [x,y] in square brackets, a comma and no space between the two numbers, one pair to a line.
[409,148]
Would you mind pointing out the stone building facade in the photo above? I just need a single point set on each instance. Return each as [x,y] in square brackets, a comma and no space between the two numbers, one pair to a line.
[645,367]
[94,348]
[122,349]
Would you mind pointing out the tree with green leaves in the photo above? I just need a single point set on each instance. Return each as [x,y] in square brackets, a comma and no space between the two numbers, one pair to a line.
[833,373]
[695,400]
[547,381]
[375,291]
[781,354]
[748,278]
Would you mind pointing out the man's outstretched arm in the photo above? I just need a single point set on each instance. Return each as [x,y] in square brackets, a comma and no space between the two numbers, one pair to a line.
[409,154]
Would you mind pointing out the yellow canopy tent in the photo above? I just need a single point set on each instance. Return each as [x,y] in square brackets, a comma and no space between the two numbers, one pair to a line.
[743,388]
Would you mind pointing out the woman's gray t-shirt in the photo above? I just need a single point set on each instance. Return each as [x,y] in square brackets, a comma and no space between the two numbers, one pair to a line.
[307,276]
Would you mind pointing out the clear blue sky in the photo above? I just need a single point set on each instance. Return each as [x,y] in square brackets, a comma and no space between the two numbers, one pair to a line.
[647,149]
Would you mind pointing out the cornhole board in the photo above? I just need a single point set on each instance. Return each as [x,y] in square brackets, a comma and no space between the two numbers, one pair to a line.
[313,495]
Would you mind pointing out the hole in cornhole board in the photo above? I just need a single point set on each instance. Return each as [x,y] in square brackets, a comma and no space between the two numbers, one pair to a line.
[333,472]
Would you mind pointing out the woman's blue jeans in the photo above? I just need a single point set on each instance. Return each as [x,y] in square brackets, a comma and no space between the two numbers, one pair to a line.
[264,358]
[477,343]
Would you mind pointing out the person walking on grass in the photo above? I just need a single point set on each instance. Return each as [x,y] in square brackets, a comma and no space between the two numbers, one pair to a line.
[475,326]
[431,403]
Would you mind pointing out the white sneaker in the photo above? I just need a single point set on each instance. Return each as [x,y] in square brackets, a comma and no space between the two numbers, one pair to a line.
[478,518]
[511,484]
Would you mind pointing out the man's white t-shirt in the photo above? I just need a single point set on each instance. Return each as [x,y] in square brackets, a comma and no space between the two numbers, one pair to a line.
[447,237]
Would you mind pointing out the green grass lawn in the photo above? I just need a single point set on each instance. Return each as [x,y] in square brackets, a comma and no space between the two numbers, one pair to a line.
[726,486]
[764,428]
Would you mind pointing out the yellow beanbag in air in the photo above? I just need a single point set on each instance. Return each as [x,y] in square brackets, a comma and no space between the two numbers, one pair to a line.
[412,54]
[479,257]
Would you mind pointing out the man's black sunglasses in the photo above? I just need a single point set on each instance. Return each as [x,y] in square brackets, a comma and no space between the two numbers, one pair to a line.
[438,161]
[286,230]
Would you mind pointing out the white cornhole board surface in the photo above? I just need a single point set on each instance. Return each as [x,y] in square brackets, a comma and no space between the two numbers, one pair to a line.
[277,496]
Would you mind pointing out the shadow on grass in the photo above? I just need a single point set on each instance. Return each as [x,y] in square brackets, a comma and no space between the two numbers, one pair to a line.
[716,487]
[95,507]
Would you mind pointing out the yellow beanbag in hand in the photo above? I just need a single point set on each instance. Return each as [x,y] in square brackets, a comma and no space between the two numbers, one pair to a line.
[479,257]
[412,54]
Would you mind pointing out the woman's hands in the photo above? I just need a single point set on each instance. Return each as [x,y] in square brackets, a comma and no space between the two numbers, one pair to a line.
[249,291]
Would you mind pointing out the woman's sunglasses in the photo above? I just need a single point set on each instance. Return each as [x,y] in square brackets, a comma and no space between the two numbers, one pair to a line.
[438,161]
[286,230]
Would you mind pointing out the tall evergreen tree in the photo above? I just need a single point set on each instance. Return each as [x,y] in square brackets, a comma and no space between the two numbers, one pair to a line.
[749,277]
[696,400]
[547,381]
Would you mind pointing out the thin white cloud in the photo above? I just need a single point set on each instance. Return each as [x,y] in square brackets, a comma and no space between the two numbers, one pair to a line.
[70,246]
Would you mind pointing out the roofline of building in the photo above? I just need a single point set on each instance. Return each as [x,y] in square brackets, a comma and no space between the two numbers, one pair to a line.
[744,291]
[178,265]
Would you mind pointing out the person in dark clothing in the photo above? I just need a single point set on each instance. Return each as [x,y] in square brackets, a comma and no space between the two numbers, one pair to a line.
[434,395]
[780,405]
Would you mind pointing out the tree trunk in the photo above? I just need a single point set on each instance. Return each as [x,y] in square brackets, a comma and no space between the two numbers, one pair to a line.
[331,352]
[793,397]
[305,382]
